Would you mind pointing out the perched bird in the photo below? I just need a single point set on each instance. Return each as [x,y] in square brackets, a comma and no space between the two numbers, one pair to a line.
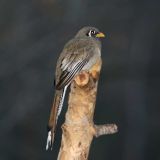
[79,54]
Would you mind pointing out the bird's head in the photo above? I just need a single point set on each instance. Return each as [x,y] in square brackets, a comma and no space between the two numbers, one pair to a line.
[91,32]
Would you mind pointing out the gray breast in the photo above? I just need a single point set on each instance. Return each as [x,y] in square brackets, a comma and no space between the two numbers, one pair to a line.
[93,59]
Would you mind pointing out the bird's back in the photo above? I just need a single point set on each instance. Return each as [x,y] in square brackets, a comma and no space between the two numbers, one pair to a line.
[76,50]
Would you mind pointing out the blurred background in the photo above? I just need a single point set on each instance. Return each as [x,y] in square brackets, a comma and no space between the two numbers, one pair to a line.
[33,33]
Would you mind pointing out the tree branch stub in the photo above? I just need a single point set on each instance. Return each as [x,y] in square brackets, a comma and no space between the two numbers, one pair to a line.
[79,129]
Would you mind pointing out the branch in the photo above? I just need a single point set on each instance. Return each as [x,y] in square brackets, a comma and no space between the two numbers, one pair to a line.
[105,129]
[79,129]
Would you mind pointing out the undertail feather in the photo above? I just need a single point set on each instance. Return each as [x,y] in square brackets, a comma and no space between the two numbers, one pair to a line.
[61,102]
[54,114]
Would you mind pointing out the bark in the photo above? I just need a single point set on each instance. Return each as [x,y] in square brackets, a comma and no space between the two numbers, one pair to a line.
[79,129]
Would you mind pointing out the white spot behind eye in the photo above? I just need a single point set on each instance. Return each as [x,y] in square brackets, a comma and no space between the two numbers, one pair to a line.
[90,34]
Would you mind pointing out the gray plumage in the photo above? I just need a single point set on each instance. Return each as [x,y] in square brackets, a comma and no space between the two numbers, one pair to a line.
[80,53]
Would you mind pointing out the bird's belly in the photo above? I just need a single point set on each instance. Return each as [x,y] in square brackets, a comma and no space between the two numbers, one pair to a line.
[91,62]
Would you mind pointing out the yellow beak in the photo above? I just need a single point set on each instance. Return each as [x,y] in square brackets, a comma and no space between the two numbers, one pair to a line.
[100,35]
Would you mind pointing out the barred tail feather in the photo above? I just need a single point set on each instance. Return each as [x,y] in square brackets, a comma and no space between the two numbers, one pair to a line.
[55,112]
[61,102]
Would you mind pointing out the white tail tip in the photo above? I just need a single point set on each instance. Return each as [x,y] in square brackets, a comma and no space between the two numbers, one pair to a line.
[49,143]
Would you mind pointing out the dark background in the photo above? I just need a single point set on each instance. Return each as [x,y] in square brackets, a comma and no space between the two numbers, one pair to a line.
[33,33]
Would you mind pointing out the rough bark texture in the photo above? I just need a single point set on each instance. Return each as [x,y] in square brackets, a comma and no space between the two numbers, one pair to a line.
[79,129]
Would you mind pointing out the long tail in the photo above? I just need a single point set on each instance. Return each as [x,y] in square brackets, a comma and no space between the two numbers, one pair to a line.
[55,112]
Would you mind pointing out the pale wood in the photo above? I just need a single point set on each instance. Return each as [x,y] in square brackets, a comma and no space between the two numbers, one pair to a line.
[79,129]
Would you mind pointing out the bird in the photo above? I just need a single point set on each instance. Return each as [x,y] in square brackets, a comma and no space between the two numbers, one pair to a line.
[79,54]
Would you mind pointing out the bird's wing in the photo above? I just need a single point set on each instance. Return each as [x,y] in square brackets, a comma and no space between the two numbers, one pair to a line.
[73,58]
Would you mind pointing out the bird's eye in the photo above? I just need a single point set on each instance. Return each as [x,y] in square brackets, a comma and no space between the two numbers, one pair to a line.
[91,33]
